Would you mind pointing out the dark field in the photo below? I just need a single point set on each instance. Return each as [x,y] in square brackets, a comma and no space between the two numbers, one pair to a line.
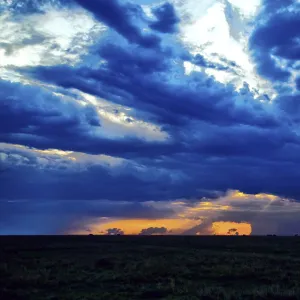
[158,267]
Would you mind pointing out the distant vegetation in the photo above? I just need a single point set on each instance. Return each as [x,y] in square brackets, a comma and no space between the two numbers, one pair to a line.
[149,267]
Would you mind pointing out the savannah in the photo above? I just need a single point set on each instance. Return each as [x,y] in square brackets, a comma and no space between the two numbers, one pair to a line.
[149,267]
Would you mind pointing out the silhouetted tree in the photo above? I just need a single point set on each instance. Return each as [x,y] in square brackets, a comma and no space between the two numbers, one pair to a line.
[154,230]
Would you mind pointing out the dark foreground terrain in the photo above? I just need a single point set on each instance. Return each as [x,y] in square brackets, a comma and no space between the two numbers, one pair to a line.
[158,267]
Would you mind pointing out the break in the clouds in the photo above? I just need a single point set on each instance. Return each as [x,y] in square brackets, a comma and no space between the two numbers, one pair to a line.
[149,117]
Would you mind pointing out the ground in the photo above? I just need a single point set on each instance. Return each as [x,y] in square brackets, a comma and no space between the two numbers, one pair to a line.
[145,267]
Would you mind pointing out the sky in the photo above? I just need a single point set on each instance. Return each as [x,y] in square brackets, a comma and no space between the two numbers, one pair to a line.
[150,117]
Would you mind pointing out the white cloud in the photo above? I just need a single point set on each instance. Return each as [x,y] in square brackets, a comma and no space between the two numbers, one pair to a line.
[248,8]
[53,158]
[206,30]
[118,121]
[56,37]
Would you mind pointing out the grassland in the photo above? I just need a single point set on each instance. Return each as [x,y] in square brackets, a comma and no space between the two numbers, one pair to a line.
[141,267]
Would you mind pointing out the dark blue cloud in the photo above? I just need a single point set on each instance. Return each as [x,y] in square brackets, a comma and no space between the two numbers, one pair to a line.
[298,83]
[130,61]
[167,19]
[59,216]
[272,6]
[200,61]
[230,63]
[198,97]
[291,105]
[34,111]
[120,18]
[218,166]
[268,68]
[62,180]
[276,37]
[32,116]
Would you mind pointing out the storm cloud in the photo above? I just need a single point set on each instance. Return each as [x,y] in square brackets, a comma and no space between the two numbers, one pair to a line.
[128,113]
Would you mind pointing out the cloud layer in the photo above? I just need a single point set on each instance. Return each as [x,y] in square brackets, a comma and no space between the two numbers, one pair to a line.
[129,107]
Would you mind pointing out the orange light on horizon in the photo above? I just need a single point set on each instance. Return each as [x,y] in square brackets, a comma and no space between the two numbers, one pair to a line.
[231,228]
[173,227]
[135,226]
[188,216]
